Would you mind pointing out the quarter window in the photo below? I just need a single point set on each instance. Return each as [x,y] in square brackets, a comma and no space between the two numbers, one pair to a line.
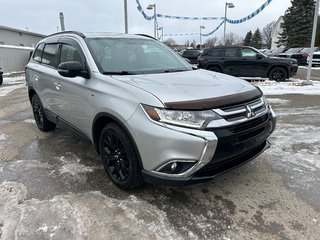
[50,55]
[38,53]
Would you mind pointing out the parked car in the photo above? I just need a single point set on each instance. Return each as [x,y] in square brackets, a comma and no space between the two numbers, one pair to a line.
[274,52]
[1,77]
[288,53]
[302,56]
[150,115]
[316,59]
[191,54]
[247,62]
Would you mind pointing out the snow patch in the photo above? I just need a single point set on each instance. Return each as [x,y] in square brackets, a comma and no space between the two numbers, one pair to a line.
[72,166]
[278,101]
[80,216]
[3,137]
[11,84]
[29,121]
[294,87]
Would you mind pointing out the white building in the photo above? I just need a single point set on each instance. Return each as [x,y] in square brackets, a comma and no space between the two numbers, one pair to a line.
[16,47]
[18,37]
[275,34]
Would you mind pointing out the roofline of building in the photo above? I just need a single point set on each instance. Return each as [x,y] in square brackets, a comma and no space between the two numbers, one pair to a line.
[22,31]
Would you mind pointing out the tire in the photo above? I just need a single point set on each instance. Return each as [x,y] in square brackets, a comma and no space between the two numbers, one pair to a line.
[119,157]
[39,116]
[215,69]
[278,74]
[1,79]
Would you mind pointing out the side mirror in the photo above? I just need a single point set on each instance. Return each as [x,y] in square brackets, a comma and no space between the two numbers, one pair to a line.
[259,56]
[72,69]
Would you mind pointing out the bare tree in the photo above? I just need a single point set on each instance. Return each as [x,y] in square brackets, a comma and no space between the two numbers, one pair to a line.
[266,34]
[211,42]
[193,44]
[170,42]
[233,39]
[187,44]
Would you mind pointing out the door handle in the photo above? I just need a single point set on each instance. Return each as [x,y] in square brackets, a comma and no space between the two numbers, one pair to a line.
[36,78]
[58,85]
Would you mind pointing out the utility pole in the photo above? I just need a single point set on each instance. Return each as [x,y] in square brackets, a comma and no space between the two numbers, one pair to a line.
[126,16]
[313,40]
[62,21]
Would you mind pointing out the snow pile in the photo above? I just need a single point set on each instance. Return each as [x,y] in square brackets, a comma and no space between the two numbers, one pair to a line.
[292,87]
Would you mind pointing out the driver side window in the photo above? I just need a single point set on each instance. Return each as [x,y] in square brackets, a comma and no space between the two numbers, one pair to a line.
[70,53]
[248,53]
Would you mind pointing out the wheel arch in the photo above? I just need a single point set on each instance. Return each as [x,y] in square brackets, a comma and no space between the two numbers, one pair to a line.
[31,93]
[98,124]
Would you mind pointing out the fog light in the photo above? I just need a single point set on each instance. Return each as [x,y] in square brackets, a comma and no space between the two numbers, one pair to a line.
[176,167]
[173,166]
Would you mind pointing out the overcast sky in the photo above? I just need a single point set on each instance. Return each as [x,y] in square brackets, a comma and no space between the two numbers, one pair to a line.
[42,16]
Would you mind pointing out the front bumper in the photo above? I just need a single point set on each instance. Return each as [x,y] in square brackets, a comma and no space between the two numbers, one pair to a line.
[213,151]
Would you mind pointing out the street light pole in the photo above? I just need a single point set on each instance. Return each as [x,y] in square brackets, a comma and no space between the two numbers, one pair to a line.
[228,5]
[315,22]
[201,27]
[154,7]
[126,16]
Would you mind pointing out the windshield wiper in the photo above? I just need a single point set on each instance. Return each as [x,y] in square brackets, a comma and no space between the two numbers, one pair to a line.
[174,70]
[119,73]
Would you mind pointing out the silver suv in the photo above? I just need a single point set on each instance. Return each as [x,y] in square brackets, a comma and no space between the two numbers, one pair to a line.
[152,117]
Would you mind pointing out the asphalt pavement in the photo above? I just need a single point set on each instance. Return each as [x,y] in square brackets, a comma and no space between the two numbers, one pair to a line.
[53,186]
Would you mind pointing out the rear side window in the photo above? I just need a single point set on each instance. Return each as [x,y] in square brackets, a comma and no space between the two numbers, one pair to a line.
[232,52]
[50,54]
[215,52]
[38,53]
[248,53]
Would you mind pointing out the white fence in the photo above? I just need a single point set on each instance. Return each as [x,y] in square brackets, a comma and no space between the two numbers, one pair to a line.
[13,58]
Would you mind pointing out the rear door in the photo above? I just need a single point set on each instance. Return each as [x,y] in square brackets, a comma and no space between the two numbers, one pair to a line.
[252,63]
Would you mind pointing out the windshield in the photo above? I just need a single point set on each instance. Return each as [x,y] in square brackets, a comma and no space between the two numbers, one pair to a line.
[125,56]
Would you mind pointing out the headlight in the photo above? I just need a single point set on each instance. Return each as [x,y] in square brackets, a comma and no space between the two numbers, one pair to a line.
[191,119]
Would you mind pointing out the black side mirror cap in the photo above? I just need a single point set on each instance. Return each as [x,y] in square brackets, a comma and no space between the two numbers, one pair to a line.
[72,69]
[259,56]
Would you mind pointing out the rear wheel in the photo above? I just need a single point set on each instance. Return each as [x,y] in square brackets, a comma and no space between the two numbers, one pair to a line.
[278,74]
[119,157]
[1,79]
[39,116]
[215,69]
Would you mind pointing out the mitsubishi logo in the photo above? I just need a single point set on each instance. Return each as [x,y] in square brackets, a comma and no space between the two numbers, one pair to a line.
[249,112]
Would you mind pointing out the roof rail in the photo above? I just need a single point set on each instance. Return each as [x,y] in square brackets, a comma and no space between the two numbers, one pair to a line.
[74,32]
[145,35]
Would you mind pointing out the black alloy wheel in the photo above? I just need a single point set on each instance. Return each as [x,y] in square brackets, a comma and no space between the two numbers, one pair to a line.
[278,74]
[41,120]
[119,157]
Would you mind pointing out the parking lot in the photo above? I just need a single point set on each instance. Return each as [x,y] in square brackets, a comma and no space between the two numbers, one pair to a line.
[53,186]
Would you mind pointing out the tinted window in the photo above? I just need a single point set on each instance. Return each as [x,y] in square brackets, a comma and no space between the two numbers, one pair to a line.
[50,55]
[69,53]
[232,52]
[38,53]
[216,52]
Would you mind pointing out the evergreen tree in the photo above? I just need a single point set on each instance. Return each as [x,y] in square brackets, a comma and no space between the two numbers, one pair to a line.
[248,39]
[297,25]
[257,39]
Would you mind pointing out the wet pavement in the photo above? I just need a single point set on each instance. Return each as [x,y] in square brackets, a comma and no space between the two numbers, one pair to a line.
[53,186]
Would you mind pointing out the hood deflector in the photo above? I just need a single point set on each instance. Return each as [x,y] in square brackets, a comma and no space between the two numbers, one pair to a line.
[217,102]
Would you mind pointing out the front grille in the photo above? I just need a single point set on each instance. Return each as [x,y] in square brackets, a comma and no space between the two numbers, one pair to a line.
[316,56]
[243,111]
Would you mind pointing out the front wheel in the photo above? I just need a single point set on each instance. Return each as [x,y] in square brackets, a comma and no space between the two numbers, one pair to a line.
[39,116]
[119,157]
[278,74]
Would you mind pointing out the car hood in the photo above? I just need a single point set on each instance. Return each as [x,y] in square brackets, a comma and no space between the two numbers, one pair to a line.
[284,60]
[198,89]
